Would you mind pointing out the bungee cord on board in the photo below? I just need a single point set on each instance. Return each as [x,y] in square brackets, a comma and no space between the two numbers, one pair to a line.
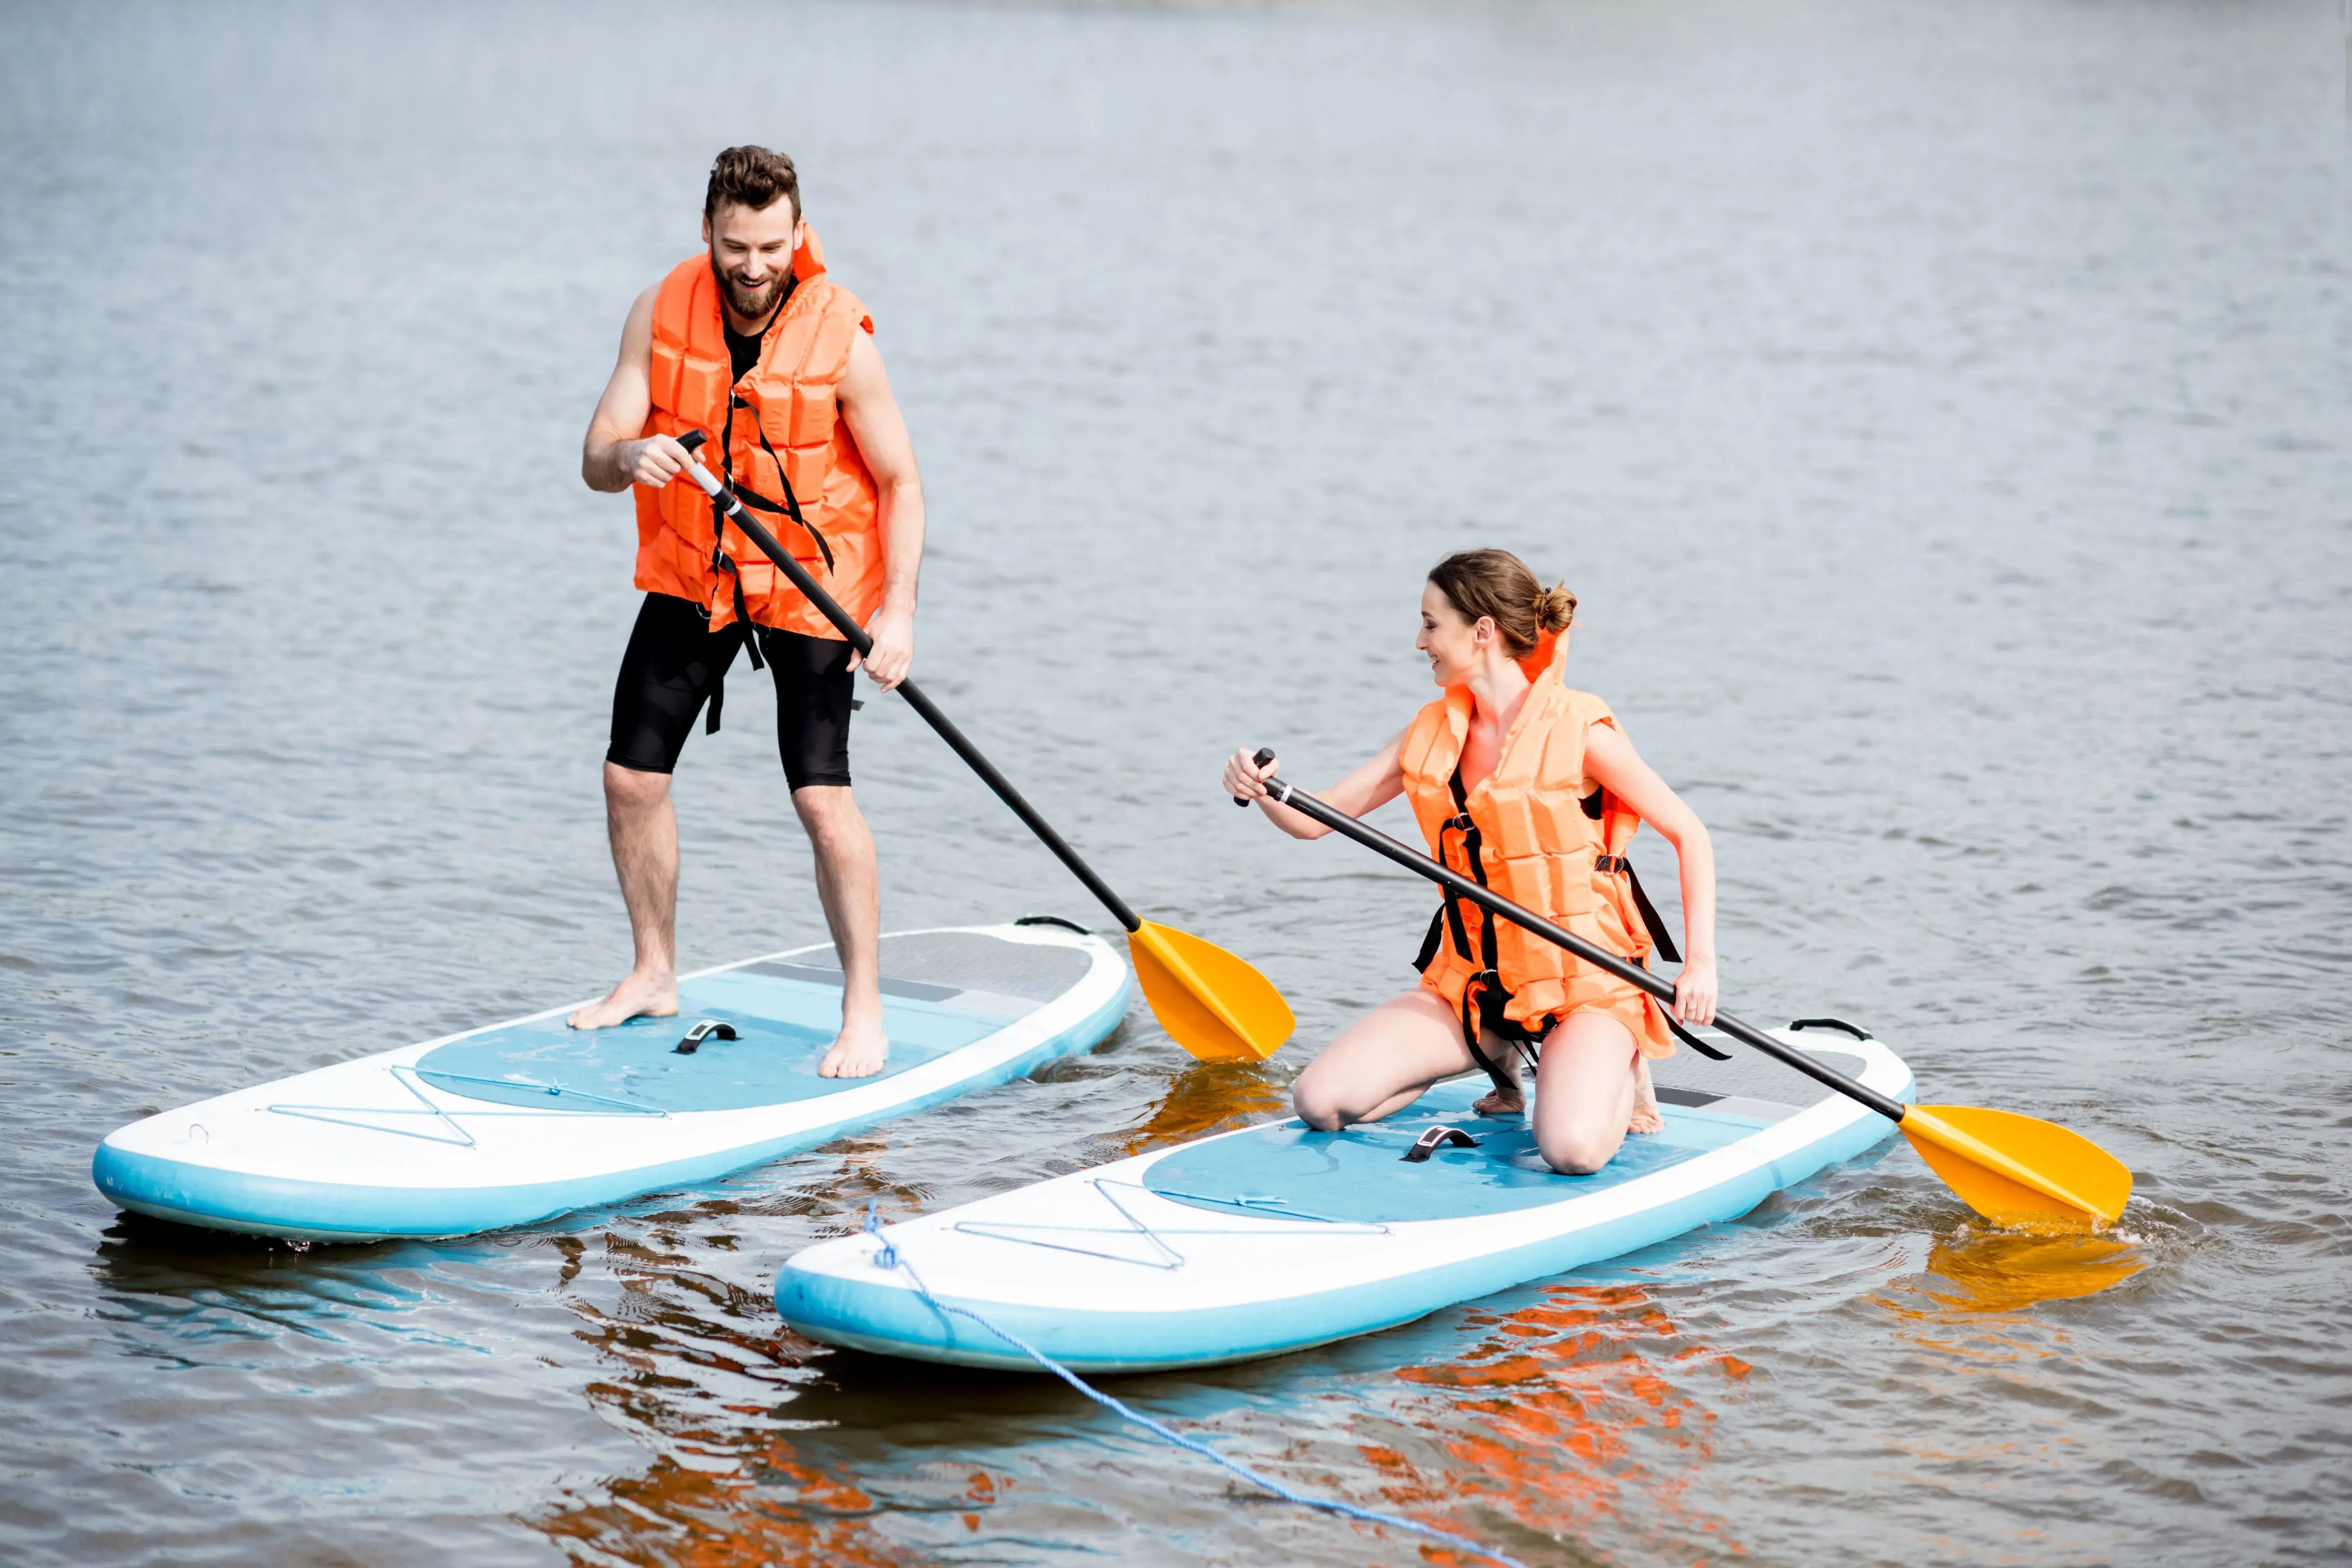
[889,1257]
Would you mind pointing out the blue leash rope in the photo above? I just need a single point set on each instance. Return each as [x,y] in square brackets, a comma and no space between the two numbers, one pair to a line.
[890,1258]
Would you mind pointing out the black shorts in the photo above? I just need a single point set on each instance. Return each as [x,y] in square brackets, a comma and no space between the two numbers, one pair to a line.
[676,663]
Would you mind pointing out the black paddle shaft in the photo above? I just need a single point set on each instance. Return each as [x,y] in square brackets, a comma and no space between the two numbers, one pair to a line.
[1486,898]
[757,532]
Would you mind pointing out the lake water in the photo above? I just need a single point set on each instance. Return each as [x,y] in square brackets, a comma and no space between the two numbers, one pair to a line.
[1941,410]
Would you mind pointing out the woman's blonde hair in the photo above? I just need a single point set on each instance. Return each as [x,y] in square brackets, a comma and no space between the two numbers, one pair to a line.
[1498,583]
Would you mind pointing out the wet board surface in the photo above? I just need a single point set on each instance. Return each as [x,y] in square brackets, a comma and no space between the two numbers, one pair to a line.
[518,1121]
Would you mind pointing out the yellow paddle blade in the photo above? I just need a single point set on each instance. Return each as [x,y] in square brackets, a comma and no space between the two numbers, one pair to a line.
[2016,1170]
[1211,1002]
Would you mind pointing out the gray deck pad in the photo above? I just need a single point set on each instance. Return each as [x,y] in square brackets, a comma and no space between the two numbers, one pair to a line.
[941,991]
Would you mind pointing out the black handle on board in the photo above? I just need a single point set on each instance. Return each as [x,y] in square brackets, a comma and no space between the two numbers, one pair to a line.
[757,532]
[1486,898]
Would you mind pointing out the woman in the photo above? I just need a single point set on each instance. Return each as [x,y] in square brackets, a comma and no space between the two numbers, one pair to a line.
[1532,789]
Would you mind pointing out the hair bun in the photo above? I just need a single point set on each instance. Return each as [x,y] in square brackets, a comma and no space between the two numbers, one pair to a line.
[1555,608]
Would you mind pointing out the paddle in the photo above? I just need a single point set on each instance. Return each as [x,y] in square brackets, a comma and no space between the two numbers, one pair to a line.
[1211,1002]
[2011,1169]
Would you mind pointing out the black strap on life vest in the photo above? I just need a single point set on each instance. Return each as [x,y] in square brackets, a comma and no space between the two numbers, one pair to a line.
[1485,1000]
[790,505]
[1609,865]
[719,560]
[722,561]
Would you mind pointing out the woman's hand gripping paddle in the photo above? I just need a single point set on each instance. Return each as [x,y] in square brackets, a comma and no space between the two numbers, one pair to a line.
[1211,1002]
[2011,1169]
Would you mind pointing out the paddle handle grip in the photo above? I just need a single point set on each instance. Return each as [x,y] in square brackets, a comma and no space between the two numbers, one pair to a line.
[757,532]
[1486,898]
[1265,756]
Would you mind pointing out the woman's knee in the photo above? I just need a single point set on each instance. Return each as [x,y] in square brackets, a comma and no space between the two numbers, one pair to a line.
[1316,1106]
[1577,1151]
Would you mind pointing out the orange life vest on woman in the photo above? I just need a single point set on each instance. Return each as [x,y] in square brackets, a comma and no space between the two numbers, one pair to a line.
[1538,831]
[777,438]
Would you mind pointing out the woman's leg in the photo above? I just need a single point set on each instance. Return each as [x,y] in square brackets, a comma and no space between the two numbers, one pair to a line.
[1585,1086]
[1507,1097]
[1383,1062]
[1646,1101]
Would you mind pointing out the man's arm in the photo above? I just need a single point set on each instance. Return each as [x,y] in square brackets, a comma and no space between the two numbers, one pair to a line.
[880,432]
[617,452]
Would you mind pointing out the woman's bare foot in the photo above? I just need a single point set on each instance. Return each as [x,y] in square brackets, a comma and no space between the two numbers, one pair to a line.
[1502,1101]
[859,1051]
[637,996]
[1646,1101]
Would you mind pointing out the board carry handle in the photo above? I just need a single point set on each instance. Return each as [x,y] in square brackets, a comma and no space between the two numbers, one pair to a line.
[709,1028]
[1856,1030]
[1436,1138]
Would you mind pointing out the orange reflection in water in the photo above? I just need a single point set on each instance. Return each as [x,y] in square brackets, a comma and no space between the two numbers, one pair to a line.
[1206,1098]
[1560,1411]
[1965,1304]
[2002,1271]
[768,1507]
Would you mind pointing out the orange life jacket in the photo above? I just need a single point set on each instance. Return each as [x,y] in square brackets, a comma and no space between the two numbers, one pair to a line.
[1541,834]
[777,438]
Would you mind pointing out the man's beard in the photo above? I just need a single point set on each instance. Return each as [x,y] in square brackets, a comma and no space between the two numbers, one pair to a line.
[749,303]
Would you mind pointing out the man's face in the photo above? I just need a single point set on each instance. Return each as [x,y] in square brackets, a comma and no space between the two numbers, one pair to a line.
[751,254]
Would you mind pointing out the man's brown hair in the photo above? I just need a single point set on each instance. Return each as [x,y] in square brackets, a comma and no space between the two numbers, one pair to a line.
[751,177]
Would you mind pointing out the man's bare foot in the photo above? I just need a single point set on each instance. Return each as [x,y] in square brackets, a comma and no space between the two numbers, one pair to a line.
[637,996]
[1646,1101]
[1501,1101]
[859,1051]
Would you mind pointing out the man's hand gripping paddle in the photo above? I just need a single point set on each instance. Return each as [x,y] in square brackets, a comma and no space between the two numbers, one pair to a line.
[1211,1002]
[2011,1169]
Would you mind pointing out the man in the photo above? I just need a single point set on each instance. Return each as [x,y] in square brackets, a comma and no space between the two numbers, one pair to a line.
[756,345]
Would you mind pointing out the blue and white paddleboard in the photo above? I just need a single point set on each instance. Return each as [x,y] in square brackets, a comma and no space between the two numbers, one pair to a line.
[522,1120]
[1276,1237]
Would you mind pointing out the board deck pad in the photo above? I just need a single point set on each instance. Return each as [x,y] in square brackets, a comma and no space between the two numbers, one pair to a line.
[966,961]
[941,991]
[1751,1075]
[1360,1174]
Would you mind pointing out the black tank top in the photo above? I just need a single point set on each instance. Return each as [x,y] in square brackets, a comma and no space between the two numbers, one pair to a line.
[745,351]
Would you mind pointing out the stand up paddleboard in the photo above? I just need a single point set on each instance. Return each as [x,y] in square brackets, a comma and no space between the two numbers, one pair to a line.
[522,1120]
[1276,1237]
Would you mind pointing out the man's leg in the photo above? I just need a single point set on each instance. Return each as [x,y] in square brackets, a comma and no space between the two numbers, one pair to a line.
[674,659]
[848,886]
[643,827]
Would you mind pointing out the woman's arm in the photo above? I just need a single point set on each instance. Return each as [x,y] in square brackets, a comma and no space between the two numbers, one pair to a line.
[1370,787]
[1611,762]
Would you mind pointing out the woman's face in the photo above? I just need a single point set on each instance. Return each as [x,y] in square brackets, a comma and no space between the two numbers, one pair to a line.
[1452,644]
